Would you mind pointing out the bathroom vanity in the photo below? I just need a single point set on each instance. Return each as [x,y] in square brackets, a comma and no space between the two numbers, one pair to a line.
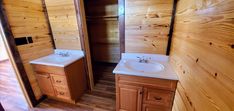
[61,75]
[144,82]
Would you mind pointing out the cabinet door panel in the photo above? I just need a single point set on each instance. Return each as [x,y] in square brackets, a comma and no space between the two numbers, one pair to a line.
[129,98]
[147,107]
[58,80]
[62,92]
[45,84]
[158,97]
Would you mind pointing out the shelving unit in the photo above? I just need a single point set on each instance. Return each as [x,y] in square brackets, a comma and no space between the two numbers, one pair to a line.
[102,23]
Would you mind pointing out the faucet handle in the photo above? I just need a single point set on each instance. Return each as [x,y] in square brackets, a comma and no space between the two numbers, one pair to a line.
[140,59]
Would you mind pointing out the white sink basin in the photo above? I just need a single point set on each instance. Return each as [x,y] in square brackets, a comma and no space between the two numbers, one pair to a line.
[55,59]
[158,66]
[150,67]
[59,60]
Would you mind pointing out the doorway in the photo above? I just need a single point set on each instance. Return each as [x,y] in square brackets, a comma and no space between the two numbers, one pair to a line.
[11,95]
[104,42]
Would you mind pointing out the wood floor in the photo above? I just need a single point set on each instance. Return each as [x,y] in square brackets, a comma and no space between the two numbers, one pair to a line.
[11,97]
[101,99]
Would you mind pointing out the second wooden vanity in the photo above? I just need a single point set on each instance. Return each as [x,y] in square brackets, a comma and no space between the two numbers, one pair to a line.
[134,93]
[144,82]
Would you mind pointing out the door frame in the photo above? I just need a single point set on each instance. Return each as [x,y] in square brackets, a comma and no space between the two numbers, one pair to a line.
[121,14]
[80,15]
[13,64]
[84,40]
[14,56]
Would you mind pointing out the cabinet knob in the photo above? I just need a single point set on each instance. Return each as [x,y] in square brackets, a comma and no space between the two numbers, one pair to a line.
[58,81]
[158,98]
[141,92]
[61,93]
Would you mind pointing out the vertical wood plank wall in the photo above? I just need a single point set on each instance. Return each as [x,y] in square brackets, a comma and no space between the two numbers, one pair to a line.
[203,55]
[147,24]
[63,23]
[102,22]
[26,18]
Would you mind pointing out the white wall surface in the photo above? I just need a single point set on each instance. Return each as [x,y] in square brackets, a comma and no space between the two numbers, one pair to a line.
[3,53]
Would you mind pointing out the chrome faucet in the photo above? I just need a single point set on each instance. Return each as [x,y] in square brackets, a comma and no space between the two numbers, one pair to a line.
[143,59]
[63,54]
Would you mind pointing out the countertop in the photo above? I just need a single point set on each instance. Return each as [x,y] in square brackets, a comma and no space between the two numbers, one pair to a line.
[166,73]
[58,60]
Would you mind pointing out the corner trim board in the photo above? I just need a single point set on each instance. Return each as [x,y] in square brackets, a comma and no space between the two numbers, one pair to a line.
[84,41]
[171,27]
[121,11]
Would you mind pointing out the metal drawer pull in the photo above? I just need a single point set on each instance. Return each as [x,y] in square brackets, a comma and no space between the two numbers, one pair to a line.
[157,98]
[58,81]
[61,93]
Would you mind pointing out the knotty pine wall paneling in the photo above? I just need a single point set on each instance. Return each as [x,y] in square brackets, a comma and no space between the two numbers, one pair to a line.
[203,55]
[62,17]
[102,22]
[27,18]
[147,24]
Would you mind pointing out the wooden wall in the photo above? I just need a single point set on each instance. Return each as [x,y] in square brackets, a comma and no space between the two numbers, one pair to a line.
[203,55]
[26,18]
[147,24]
[102,21]
[63,22]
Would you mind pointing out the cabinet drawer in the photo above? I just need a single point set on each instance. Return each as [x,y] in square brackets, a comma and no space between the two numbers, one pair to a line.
[158,97]
[58,80]
[48,69]
[146,81]
[62,92]
[148,107]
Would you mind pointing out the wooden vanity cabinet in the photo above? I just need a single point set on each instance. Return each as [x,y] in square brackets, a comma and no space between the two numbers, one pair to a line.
[134,93]
[45,84]
[62,83]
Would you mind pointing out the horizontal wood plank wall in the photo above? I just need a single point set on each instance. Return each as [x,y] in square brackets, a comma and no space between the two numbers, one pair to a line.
[147,24]
[203,55]
[26,18]
[102,17]
[63,22]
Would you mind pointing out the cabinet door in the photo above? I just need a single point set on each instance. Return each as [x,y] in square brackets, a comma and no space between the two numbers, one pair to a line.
[45,84]
[147,107]
[129,98]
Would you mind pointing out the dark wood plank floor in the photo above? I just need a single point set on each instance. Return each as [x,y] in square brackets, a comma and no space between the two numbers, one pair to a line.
[11,97]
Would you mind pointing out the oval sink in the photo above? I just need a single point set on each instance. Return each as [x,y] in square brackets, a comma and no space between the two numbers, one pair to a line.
[150,67]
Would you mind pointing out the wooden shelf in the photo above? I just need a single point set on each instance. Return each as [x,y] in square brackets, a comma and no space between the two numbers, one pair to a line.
[100,17]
